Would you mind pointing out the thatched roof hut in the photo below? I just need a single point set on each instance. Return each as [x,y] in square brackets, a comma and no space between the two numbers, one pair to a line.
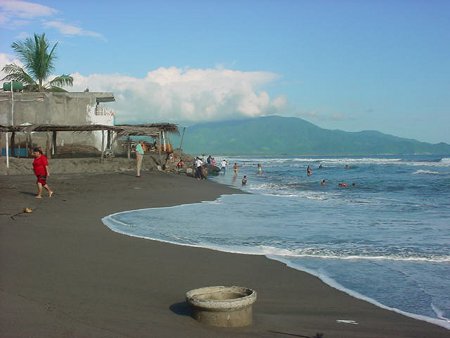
[155,130]
[152,129]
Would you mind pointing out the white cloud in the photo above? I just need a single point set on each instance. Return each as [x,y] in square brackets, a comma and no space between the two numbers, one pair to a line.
[14,14]
[67,29]
[18,13]
[25,9]
[173,94]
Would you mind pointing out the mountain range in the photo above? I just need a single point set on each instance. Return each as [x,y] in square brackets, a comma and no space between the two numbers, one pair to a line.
[275,135]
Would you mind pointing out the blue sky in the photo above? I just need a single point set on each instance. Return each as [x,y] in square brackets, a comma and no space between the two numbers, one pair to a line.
[351,65]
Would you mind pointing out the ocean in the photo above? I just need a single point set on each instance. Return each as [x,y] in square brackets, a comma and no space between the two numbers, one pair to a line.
[384,237]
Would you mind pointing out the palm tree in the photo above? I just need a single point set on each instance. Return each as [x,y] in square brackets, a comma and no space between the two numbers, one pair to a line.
[39,63]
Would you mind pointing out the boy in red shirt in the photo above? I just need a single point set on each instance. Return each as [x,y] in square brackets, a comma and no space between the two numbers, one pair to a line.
[40,168]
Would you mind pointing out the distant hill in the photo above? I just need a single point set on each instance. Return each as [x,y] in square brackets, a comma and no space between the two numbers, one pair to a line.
[275,135]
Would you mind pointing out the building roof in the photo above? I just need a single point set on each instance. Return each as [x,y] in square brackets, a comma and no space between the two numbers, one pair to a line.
[105,99]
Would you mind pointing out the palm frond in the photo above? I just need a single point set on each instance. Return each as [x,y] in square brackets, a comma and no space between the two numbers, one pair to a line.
[43,60]
[34,53]
[62,80]
[23,50]
[16,73]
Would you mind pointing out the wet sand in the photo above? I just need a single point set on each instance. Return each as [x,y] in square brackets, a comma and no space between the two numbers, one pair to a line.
[65,274]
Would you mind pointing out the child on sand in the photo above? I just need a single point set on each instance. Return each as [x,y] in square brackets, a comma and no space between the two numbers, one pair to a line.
[40,168]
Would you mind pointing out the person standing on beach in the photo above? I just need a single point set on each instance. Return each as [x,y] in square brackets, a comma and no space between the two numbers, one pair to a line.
[223,166]
[198,168]
[139,157]
[259,169]
[235,169]
[180,164]
[40,168]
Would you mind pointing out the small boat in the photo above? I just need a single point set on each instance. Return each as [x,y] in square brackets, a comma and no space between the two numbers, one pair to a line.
[213,170]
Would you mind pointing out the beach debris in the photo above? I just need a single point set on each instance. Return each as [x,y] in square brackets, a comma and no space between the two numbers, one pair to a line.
[223,306]
[24,211]
[317,335]
[347,321]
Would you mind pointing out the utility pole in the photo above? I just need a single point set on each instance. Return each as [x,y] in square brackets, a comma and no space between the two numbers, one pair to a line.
[12,124]
[12,103]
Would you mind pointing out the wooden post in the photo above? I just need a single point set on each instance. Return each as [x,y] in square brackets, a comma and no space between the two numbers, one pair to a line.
[103,146]
[164,140]
[7,149]
[159,146]
[27,143]
[48,153]
[108,139]
[31,143]
[113,138]
[13,144]
[54,142]
[18,147]
[129,147]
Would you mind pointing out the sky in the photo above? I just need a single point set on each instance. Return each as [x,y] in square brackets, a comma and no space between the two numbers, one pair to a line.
[351,65]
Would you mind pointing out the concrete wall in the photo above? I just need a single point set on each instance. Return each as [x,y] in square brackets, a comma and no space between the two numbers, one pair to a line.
[69,108]
[100,115]
[49,108]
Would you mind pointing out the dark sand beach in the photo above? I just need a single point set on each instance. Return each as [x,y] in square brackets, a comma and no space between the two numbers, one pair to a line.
[65,274]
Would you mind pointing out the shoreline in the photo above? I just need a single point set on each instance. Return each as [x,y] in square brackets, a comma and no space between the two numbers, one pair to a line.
[64,273]
[444,322]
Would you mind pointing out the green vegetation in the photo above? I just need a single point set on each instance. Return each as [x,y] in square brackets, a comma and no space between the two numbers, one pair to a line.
[38,63]
[277,136]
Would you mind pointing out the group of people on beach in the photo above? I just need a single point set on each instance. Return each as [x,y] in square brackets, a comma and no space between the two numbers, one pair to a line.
[223,168]
[141,147]
[42,172]
[235,174]
[244,180]
[211,160]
